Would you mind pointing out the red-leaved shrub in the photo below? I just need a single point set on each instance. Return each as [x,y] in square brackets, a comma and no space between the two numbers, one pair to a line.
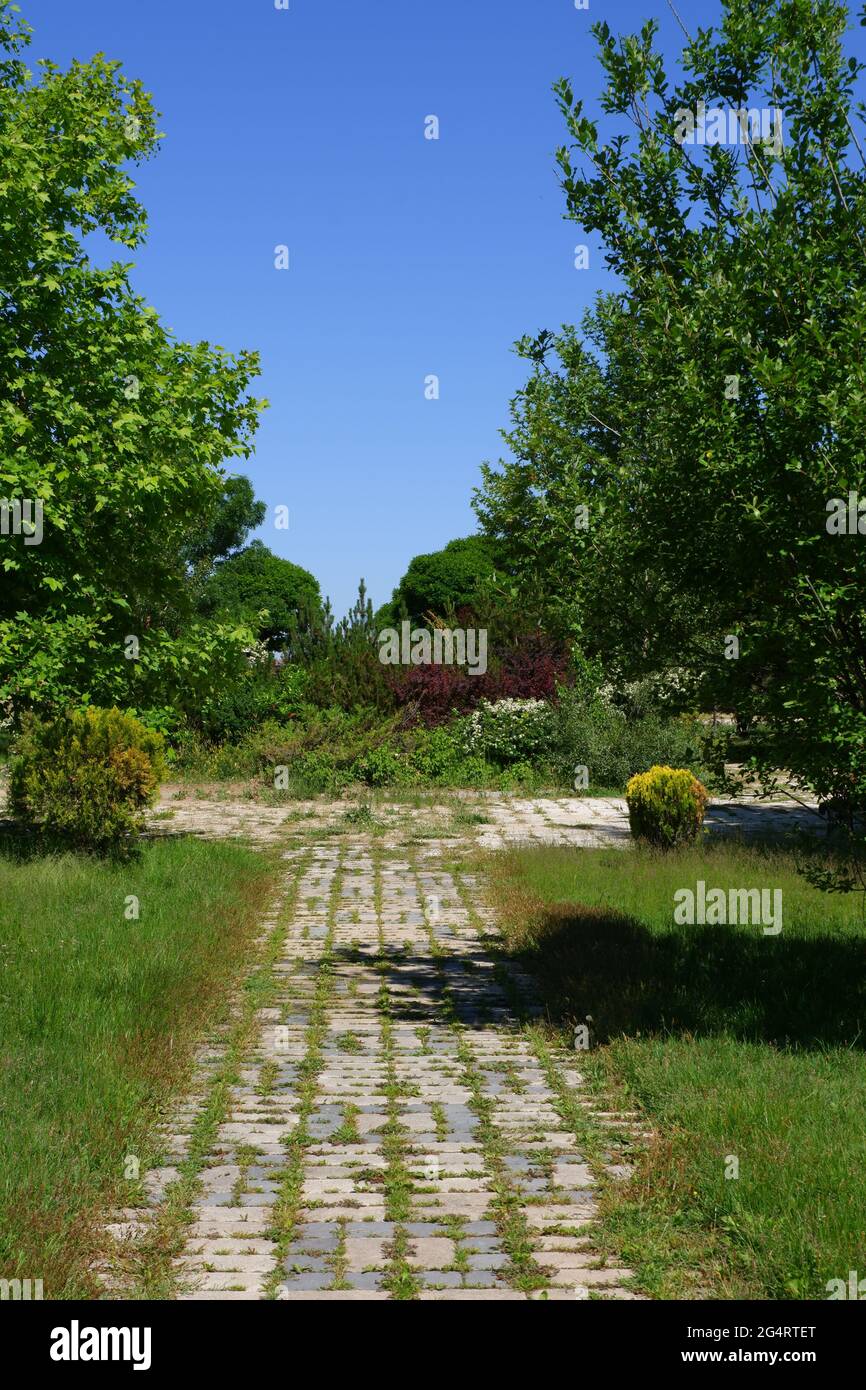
[528,670]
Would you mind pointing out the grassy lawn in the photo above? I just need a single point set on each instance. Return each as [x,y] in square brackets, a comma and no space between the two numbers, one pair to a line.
[731,1042]
[99,1019]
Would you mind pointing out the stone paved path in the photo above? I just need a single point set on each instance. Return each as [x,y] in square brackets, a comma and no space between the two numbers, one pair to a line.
[603,820]
[390,1129]
[502,819]
[379,1118]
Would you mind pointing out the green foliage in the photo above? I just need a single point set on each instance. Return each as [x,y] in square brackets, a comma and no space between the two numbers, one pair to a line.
[711,407]
[327,751]
[666,806]
[86,777]
[266,722]
[442,581]
[263,693]
[338,748]
[48,663]
[439,756]
[342,660]
[510,731]
[381,767]
[162,719]
[268,593]
[424,757]
[319,747]
[614,743]
[118,430]
[232,516]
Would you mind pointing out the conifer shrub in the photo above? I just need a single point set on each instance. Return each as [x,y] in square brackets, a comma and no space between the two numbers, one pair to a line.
[666,806]
[86,777]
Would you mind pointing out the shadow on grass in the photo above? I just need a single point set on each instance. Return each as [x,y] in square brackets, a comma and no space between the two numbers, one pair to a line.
[697,980]
[21,845]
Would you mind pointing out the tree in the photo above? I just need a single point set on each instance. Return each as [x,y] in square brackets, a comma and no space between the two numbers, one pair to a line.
[534,504]
[255,581]
[714,407]
[444,580]
[219,535]
[112,432]
[234,514]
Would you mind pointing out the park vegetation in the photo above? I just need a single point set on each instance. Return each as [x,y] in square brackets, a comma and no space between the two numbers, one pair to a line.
[669,569]
[652,560]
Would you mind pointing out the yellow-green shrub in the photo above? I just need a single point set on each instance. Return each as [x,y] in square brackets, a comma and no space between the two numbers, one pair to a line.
[86,777]
[666,806]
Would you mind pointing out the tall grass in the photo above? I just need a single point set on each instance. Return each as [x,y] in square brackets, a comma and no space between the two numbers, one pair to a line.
[737,1046]
[100,1014]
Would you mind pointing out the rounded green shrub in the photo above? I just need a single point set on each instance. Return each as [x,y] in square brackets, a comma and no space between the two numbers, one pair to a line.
[381,767]
[86,777]
[509,731]
[615,744]
[666,806]
[443,581]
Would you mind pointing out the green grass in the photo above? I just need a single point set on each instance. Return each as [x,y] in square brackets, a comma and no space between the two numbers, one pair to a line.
[100,1015]
[731,1042]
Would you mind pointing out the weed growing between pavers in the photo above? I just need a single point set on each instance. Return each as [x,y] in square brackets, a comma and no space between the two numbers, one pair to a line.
[523,1273]
[400,1278]
[148,1269]
[290,1198]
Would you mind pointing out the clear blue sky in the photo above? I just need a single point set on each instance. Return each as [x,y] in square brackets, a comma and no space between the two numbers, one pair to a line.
[408,256]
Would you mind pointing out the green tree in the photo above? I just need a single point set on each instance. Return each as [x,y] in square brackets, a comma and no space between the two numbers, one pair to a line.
[341,660]
[255,582]
[112,432]
[234,514]
[219,535]
[444,580]
[714,405]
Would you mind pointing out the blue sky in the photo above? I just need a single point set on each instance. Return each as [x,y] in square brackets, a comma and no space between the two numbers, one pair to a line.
[409,257]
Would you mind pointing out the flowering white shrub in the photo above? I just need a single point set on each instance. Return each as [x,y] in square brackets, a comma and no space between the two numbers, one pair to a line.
[509,731]
[258,654]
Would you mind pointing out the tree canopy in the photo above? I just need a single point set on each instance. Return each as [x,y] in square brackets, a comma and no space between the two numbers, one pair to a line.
[115,429]
[255,580]
[675,463]
[233,515]
[444,580]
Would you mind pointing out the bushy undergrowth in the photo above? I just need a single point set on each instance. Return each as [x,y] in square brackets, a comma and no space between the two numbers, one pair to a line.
[614,743]
[86,778]
[328,750]
[503,745]
[333,716]
[264,693]
[510,731]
